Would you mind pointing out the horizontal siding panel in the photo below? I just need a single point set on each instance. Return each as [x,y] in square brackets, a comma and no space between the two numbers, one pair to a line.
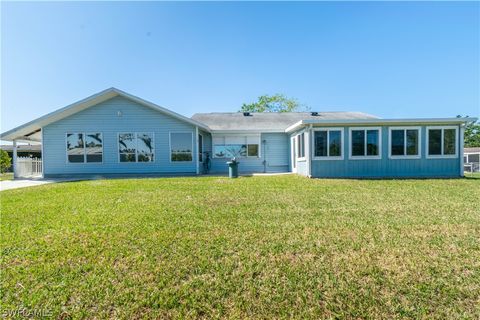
[274,149]
[104,118]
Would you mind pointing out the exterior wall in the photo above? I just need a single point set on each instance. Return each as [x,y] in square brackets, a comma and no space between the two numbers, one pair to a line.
[274,150]
[384,167]
[104,118]
[302,167]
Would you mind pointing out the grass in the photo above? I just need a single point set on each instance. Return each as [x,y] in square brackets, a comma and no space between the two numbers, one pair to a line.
[258,247]
[6,176]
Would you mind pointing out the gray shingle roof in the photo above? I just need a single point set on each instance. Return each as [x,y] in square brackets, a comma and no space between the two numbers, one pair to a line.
[269,121]
[471,150]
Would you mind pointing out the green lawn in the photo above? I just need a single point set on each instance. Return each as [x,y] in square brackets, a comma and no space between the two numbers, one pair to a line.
[6,176]
[254,247]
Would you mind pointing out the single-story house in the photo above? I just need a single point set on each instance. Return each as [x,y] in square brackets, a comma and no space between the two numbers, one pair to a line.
[114,132]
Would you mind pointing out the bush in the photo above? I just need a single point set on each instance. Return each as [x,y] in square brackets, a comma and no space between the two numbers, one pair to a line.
[5,161]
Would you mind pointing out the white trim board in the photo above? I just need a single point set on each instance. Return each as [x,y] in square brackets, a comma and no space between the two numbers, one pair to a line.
[365,157]
[441,155]
[405,156]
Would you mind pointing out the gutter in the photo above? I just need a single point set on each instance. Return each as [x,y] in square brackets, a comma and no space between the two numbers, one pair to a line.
[348,122]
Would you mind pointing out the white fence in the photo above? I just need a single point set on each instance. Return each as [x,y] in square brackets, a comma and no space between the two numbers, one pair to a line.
[471,167]
[28,167]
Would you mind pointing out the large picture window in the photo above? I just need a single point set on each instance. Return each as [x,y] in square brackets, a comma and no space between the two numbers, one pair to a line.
[365,143]
[328,143]
[236,146]
[181,146]
[442,142]
[136,147]
[405,142]
[84,147]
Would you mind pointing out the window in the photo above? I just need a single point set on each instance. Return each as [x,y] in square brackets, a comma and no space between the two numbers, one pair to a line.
[200,148]
[230,151]
[442,142]
[365,143]
[301,145]
[328,143]
[136,147]
[252,150]
[84,147]
[234,146]
[405,142]
[144,147]
[181,146]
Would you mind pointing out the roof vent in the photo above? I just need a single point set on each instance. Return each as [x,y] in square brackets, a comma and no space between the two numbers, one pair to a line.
[247,114]
[314,113]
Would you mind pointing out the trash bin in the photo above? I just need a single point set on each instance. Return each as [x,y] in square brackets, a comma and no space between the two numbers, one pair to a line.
[233,168]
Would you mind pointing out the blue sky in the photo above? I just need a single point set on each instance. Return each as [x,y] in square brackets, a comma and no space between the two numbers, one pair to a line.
[389,59]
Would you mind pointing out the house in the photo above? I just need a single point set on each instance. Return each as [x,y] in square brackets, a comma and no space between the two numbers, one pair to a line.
[471,159]
[114,132]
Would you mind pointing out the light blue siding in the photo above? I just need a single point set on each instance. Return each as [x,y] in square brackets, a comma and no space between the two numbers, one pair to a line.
[385,167]
[274,150]
[104,118]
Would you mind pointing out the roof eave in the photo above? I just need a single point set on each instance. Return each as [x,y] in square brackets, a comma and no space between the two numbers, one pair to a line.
[20,132]
[429,121]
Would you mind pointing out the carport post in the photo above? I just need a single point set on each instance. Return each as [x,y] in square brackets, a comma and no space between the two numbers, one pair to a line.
[14,160]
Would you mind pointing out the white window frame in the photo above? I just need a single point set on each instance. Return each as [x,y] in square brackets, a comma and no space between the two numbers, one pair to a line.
[136,147]
[84,148]
[329,157]
[365,157]
[298,145]
[442,137]
[405,156]
[170,147]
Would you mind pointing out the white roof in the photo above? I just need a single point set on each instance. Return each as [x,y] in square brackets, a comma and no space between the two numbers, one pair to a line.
[30,130]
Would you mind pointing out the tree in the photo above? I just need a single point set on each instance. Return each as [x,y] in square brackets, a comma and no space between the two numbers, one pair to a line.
[472,134]
[276,103]
[5,161]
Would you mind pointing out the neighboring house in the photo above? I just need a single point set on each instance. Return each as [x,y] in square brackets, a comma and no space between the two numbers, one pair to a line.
[26,150]
[471,159]
[113,132]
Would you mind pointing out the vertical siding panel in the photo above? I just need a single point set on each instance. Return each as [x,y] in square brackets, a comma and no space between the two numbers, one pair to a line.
[386,167]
